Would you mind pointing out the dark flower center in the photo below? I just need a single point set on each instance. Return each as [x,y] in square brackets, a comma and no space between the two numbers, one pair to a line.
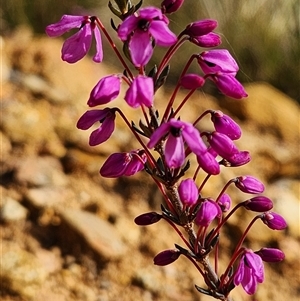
[175,132]
[143,24]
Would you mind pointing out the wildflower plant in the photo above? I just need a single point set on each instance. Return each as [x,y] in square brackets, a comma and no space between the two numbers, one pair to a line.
[167,142]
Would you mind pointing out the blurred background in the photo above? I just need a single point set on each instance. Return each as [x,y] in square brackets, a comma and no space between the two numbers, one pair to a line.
[262,35]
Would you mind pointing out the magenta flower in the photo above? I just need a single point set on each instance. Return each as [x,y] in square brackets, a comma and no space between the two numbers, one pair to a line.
[123,164]
[106,118]
[208,211]
[239,159]
[77,46]
[249,184]
[178,132]
[270,254]
[166,257]
[200,28]
[170,6]
[208,163]
[106,90]
[274,221]
[209,40]
[218,60]
[192,81]
[229,85]
[188,192]
[259,204]
[222,144]
[141,29]
[140,92]
[226,125]
[224,202]
[249,272]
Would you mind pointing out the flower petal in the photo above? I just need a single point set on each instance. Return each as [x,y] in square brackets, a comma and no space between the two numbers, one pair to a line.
[161,33]
[77,46]
[140,47]
[174,152]
[98,57]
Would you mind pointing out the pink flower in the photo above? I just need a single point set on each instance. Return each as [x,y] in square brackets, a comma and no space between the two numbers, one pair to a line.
[208,40]
[200,28]
[270,254]
[229,85]
[274,221]
[249,184]
[106,119]
[226,125]
[123,164]
[141,29]
[192,81]
[208,211]
[77,46]
[188,192]
[166,257]
[218,60]
[141,91]
[249,272]
[178,132]
[106,90]
[171,6]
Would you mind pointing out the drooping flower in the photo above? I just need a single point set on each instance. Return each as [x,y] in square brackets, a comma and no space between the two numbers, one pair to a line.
[274,221]
[141,91]
[170,6]
[224,202]
[222,144]
[226,125]
[123,164]
[208,211]
[178,132]
[238,159]
[218,60]
[77,46]
[249,184]
[105,117]
[228,85]
[250,272]
[141,29]
[106,90]
[208,40]
[200,28]
[258,204]
[188,192]
[208,163]
[192,81]
[270,254]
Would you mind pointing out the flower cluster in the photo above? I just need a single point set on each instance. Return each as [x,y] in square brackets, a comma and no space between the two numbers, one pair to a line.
[198,219]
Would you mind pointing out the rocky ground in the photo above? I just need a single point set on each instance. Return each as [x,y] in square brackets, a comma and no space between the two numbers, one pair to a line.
[68,234]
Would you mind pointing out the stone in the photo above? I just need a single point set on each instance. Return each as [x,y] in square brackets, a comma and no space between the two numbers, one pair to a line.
[12,210]
[21,272]
[101,236]
[40,171]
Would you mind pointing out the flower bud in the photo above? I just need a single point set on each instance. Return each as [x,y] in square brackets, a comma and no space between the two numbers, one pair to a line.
[106,90]
[249,184]
[225,125]
[224,202]
[192,81]
[200,28]
[207,41]
[239,159]
[270,254]
[148,218]
[259,204]
[166,257]
[229,85]
[188,192]
[208,211]
[170,6]
[222,144]
[208,163]
[274,221]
